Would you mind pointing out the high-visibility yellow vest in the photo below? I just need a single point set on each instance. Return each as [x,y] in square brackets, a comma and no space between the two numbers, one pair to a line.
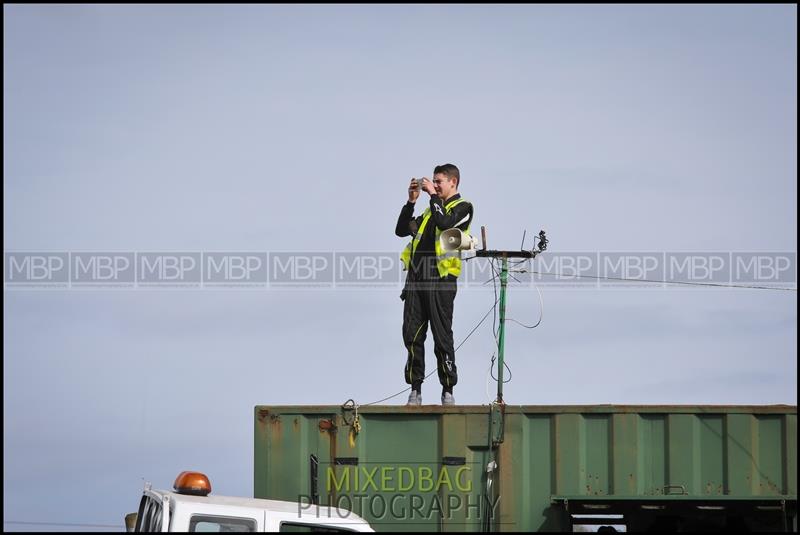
[448,263]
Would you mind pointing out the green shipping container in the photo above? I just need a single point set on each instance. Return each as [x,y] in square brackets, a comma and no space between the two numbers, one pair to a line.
[535,468]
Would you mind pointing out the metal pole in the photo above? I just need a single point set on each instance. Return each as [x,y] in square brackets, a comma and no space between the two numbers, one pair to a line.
[501,341]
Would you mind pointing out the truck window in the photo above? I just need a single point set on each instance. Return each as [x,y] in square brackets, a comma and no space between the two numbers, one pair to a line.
[140,517]
[158,517]
[290,527]
[149,519]
[227,524]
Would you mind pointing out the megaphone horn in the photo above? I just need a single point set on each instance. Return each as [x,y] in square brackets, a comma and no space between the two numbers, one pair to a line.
[455,240]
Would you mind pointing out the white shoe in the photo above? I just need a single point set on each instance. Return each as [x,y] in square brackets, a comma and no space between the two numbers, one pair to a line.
[448,399]
[414,398]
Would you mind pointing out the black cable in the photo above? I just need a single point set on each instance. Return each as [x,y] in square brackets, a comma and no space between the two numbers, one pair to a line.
[505,365]
[494,319]
[541,313]
[522,324]
[473,329]
[713,284]
[719,285]
[496,274]
[495,332]
[434,369]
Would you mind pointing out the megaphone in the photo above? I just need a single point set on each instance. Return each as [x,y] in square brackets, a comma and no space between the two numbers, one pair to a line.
[455,240]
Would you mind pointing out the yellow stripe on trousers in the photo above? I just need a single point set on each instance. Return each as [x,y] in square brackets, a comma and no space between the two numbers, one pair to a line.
[411,349]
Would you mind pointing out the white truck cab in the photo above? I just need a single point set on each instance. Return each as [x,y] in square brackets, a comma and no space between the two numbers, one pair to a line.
[190,508]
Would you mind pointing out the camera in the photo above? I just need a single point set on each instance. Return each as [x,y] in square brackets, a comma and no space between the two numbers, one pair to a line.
[419,182]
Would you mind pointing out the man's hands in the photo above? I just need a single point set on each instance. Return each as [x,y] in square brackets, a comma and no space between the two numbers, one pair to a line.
[414,189]
[427,185]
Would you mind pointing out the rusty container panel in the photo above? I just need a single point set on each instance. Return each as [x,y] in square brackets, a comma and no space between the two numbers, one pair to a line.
[429,468]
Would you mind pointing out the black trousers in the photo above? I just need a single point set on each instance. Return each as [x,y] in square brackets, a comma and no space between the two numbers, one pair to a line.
[430,302]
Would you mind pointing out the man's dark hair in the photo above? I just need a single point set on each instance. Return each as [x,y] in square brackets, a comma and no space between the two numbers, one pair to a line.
[450,171]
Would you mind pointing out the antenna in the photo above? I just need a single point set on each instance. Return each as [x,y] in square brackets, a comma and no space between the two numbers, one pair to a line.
[505,255]
[542,241]
[497,408]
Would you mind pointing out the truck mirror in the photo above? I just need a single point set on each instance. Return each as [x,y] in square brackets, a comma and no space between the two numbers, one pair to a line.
[130,521]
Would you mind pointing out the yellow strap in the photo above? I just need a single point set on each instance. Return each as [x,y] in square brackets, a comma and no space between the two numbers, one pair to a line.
[453,203]
[426,215]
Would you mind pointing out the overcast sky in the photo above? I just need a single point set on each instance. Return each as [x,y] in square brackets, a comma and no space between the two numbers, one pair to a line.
[297,128]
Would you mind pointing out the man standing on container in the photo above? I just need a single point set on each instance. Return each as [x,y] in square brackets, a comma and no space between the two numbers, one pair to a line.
[431,281]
